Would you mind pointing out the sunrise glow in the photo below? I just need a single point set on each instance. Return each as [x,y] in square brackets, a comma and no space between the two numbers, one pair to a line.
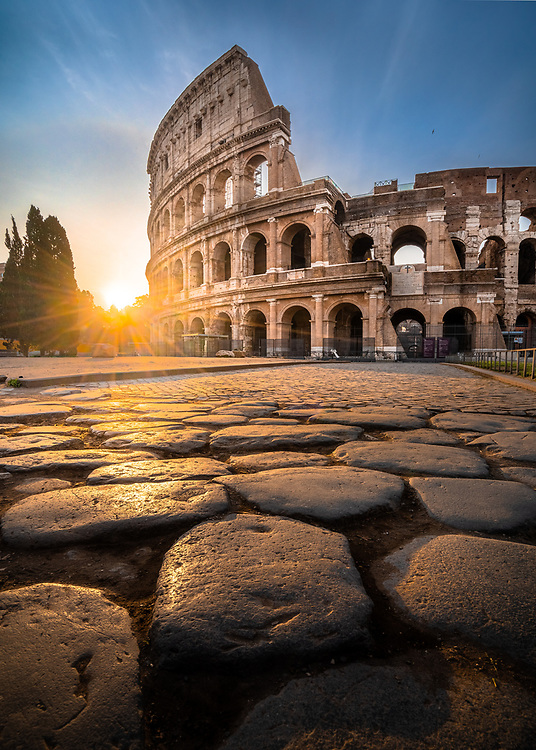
[118,295]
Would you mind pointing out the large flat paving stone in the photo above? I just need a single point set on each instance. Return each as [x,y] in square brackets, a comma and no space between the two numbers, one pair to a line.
[26,443]
[425,436]
[328,494]
[520,474]
[374,417]
[68,671]
[392,706]
[216,421]
[411,458]
[32,410]
[172,441]
[41,484]
[477,504]
[462,421]
[251,587]
[275,460]
[518,446]
[263,437]
[247,410]
[109,429]
[482,589]
[75,459]
[158,471]
[83,514]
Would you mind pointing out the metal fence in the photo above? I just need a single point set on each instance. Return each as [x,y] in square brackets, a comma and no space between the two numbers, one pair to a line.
[520,362]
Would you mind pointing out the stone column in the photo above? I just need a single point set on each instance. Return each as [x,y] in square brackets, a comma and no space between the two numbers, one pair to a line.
[271,327]
[272,255]
[317,247]
[472,227]
[435,251]
[317,334]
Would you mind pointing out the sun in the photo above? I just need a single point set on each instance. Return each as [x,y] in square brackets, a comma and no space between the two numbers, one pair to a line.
[118,295]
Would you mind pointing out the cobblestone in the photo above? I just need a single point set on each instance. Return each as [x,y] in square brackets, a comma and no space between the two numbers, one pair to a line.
[343,627]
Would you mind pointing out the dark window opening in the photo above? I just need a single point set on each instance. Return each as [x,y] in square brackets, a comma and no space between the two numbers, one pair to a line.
[526,273]
[361,249]
[259,257]
[300,249]
[459,247]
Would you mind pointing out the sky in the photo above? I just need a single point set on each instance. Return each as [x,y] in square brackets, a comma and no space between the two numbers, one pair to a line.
[376,89]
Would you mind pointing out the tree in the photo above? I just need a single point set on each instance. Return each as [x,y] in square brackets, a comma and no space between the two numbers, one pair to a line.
[39,302]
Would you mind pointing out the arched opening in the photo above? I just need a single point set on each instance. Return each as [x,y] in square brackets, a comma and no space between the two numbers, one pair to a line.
[166,348]
[408,246]
[255,333]
[178,276]
[197,327]
[259,257]
[348,331]
[527,220]
[491,254]
[164,289]
[180,215]
[156,236]
[198,203]
[166,226]
[526,268]
[458,328]
[459,249]
[525,328]
[300,247]
[256,177]
[338,213]
[221,268]
[300,333]
[223,329]
[361,249]
[223,191]
[178,338]
[410,327]
[196,270]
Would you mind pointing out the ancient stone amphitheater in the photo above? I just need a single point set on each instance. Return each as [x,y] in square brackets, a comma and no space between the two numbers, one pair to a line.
[245,255]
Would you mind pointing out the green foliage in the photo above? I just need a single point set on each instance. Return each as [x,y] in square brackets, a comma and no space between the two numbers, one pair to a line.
[14,383]
[39,294]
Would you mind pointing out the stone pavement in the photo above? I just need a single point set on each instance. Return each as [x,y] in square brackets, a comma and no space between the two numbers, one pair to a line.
[321,557]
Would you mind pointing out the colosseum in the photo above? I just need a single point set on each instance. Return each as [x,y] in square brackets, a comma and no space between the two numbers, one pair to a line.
[247,256]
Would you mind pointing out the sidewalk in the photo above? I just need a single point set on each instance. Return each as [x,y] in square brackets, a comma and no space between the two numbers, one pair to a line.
[529,385]
[38,372]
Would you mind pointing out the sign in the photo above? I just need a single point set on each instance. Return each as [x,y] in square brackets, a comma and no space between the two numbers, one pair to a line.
[428,348]
[442,348]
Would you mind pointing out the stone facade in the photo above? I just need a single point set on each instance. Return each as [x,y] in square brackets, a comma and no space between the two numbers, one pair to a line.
[245,255]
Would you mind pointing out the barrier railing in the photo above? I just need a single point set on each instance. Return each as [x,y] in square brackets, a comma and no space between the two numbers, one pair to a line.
[521,362]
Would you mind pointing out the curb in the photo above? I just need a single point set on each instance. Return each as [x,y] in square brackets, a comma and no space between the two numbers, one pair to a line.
[111,377]
[528,385]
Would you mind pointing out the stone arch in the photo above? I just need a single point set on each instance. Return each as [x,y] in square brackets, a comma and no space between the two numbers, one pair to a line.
[179,214]
[408,245]
[164,282]
[156,234]
[296,246]
[256,177]
[222,326]
[459,328]
[254,254]
[255,328]
[410,328]
[361,249]
[221,262]
[178,276]
[526,326]
[197,276]
[297,321]
[166,225]
[526,268]
[491,254]
[198,204]
[223,190]
[339,213]
[197,326]
[460,250]
[527,220]
[347,322]
[178,337]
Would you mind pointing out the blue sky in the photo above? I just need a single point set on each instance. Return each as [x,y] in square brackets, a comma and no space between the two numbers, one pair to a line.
[377,89]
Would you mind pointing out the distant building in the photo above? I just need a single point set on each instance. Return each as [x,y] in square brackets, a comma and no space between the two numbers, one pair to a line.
[246,255]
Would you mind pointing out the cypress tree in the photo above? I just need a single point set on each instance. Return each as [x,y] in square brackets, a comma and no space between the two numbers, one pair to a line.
[14,296]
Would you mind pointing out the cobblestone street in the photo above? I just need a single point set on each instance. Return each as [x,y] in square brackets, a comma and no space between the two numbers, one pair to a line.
[317,557]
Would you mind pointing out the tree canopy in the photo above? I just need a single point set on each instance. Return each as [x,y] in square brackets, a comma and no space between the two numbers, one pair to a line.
[38,294]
